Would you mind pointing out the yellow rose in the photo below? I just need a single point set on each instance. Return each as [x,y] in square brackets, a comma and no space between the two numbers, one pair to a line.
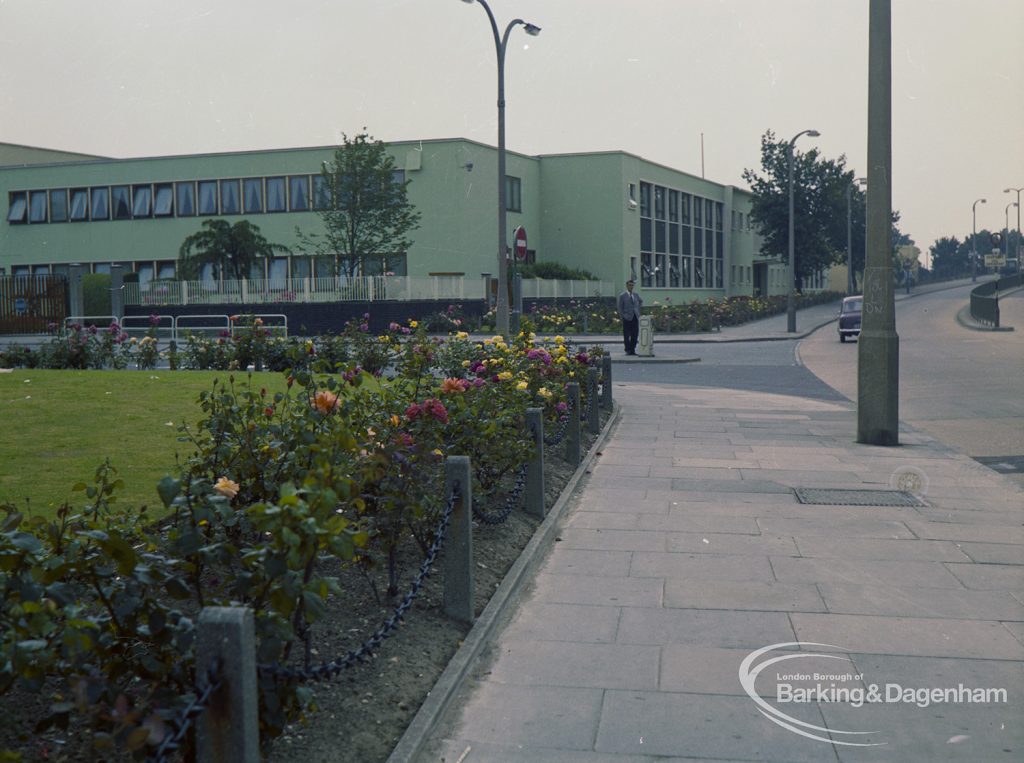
[462,335]
[544,392]
[413,324]
[522,386]
[465,364]
[505,375]
[559,340]
[225,487]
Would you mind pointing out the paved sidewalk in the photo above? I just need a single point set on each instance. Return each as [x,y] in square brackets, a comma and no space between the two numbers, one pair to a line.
[686,549]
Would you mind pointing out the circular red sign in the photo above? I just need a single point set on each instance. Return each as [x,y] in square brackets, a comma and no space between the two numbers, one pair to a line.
[520,239]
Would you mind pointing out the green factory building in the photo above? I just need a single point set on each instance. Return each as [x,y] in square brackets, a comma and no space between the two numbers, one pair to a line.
[611,213]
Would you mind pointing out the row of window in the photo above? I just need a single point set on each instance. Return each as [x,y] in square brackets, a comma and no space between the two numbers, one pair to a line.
[673,271]
[257,195]
[269,268]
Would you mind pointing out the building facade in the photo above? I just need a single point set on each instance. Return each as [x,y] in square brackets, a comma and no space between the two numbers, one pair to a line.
[613,214]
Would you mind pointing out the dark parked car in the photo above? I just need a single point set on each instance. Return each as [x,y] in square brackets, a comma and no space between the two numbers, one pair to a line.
[849,317]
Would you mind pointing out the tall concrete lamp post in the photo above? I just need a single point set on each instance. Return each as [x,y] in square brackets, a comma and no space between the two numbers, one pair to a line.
[974,238]
[878,346]
[851,281]
[790,269]
[1006,244]
[500,43]
[1016,248]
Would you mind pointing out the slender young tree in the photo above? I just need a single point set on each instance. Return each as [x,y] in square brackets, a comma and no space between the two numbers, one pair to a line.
[232,250]
[364,207]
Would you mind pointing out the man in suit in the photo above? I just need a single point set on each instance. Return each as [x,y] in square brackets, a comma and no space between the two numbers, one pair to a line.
[629,304]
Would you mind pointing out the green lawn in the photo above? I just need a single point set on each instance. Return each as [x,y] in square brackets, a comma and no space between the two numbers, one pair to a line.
[56,427]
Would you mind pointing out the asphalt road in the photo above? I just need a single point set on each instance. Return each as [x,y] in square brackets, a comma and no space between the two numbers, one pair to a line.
[963,387]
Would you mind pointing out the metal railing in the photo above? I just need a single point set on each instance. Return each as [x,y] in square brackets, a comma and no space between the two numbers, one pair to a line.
[177,327]
[985,298]
[344,289]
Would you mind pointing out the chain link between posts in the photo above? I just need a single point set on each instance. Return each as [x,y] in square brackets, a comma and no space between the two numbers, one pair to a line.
[333,668]
[499,517]
[188,715]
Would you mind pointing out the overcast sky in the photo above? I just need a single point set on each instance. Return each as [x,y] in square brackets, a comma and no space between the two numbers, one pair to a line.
[147,78]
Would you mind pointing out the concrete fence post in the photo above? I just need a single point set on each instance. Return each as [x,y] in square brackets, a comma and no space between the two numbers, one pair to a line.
[606,384]
[458,551]
[535,467]
[76,294]
[572,435]
[593,410]
[228,730]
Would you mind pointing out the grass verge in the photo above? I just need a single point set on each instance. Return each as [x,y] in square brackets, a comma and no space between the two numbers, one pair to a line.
[58,426]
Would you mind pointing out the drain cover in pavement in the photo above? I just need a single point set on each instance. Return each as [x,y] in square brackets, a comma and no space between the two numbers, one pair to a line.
[835,497]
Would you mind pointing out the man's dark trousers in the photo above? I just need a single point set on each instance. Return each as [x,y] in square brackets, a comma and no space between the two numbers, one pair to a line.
[630,333]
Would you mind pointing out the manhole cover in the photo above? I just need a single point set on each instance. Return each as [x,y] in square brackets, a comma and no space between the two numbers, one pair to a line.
[835,497]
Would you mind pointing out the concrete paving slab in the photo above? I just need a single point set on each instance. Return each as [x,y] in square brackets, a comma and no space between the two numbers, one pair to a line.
[699,726]
[898,601]
[564,622]
[1017,629]
[697,522]
[835,526]
[993,553]
[941,672]
[630,483]
[950,733]
[985,534]
[463,751]
[612,540]
[620,501]
[560,663]
[992,577]
[683,566]
[568,561]
[715,543]
[880,548]
[531,716]
[744,484]
[580,589]
[748,595]
[857,572]
[728,473]
[603,520]
[720,628]
[909,636]
[801,477]
[605,469]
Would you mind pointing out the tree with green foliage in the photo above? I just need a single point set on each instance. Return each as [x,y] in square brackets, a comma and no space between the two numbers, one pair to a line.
[949,257]
[364,205]
[820,189]
[232,250]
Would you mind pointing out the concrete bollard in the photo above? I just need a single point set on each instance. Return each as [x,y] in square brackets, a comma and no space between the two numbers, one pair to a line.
[458,547]
[228,730]
[606,384]
[572,434]
[593,409]
[535,467]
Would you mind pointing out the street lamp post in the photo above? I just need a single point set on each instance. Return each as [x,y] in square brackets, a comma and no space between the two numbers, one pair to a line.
[974,238]
[851,282]
[790,269]
[500,44]
[1006,230]
[1016,246]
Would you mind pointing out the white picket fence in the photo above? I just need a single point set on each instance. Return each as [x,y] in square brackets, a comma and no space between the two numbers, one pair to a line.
[343,289]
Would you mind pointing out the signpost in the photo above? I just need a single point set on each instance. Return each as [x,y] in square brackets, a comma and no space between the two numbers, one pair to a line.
[519,235]
[519,248]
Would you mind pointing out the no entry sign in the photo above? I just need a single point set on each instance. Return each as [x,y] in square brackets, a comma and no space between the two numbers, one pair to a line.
[519,235]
